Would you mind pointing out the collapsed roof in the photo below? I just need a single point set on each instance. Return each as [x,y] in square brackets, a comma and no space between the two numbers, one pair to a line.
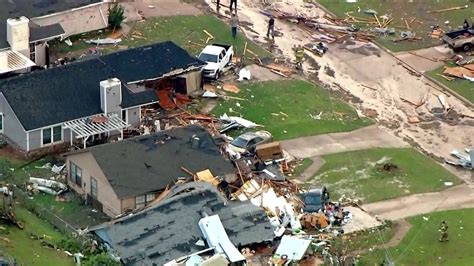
[56,95]
[169,230]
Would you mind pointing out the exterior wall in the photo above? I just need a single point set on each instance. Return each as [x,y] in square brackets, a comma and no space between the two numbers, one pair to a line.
[40,54]
[12,128]
[79,20]
[111,204]
[133,116]
[128,204]
[193,80]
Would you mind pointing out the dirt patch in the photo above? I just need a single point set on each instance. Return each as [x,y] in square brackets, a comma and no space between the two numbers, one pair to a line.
[388,167]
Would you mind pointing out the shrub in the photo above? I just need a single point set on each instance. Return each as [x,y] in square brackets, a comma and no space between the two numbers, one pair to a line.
[116,16]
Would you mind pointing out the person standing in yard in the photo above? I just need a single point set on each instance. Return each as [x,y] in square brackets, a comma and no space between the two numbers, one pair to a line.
[271,28]
[233,3]
[443,229]
[465,25]
[234,23]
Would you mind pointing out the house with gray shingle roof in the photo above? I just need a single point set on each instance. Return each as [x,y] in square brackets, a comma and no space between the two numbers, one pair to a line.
[88,99]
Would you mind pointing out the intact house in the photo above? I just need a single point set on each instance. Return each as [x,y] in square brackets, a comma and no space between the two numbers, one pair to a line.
[122,176]
[26,27]
[48,110]
[170,229]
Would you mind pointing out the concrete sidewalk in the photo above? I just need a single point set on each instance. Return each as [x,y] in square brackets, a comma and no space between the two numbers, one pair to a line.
[364,138]
[458,197]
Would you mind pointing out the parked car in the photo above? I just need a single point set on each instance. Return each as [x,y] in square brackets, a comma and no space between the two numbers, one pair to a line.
[217,56]
[248,141]
[315,199]
[460,39]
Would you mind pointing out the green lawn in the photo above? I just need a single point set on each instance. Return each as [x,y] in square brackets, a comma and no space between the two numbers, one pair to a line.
[180,29]
[73,211]
[464,87]
[421,246]
[28,251]
[359,174]
[285,108]
[364,240]
[302,166]
[406,9]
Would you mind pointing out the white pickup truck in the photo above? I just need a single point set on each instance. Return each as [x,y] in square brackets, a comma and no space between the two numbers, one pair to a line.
[217,57]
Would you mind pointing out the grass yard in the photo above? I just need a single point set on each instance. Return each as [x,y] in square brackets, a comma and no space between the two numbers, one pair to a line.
[371,238]
[407,9]
[302,166]
[421,246]
[286,109]
[28,251]
[180,29]
[360,174]
[464,87]
[73,211]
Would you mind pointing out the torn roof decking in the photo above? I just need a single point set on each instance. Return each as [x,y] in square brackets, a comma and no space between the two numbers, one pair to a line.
[65,93]
[169,230]
[32,9]
[149,163]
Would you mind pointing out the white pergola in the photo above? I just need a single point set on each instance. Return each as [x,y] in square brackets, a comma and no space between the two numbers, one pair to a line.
[86,127]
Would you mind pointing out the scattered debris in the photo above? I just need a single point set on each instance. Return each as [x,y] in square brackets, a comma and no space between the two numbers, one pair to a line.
[465,160]
[104,41]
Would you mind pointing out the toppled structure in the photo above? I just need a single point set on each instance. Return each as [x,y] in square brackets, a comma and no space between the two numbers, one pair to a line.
[169,230]
[465,160]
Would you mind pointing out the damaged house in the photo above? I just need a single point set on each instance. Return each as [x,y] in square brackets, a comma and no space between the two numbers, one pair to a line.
[178,226]
[122,176]
[74,104]
[26,26]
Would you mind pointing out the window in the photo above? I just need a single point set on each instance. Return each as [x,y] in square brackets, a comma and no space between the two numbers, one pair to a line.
[93,187]
[143,200]
[1,123]
[46,136]
[33,52]
[75,174]
[124,115]
[52,134]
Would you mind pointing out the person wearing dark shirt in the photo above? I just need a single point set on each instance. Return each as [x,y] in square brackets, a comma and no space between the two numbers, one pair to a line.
[271,28]
[465,25]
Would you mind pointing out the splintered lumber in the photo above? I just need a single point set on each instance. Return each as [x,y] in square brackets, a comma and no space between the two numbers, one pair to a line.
[445,77]
[377,19]
[188,172]
[412,103]
[449,9]
[208,34]
[279,73]
[245,49]
[406,23]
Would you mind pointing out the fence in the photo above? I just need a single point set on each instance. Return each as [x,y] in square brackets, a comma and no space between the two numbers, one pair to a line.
[45,214]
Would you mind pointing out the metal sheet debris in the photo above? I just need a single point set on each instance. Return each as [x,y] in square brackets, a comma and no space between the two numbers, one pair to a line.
[293,247]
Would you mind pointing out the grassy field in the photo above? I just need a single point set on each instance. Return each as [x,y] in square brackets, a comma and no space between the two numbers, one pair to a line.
[360,174]
[464,87]
[285,108]
[28,251]
[421,246]
[406,9]
[186,31]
